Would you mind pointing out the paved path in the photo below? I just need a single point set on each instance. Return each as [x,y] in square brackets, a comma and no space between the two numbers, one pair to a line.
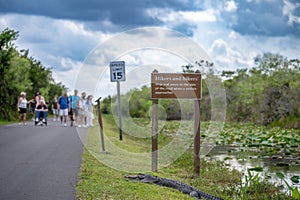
[39,162]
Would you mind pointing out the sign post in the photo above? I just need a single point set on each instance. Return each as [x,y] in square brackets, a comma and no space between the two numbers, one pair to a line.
[197,135]
[154,133]
[117,74]
[100,124]
[176,86]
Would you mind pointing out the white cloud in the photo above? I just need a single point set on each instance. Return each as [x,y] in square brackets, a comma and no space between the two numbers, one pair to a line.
[230,6]
[59,44]
[259,1]
[238,51]
[227,57]
[219,46]
[198,17]
[190,17]
[233,35]
[3,22]
[153,56]
[68,77]
[76,28]
[288,9]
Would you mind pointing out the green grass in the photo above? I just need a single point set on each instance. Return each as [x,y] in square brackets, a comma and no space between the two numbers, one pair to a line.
[3,123]
[97,180]
[287,122]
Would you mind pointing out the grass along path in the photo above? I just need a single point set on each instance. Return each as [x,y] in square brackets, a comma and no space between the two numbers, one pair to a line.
[99,181]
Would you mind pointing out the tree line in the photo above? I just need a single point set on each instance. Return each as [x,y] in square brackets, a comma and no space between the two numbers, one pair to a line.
[19,72]
[266,94]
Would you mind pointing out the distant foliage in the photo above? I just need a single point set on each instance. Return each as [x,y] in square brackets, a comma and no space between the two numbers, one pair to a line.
[18,72]
[267,93]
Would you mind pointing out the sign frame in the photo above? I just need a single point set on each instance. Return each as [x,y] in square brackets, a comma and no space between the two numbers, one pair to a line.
[176,86]
[117,71]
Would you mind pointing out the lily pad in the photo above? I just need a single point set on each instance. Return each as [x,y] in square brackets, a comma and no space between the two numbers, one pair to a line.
[280,175]
[253,145]
[295,179]
[282,164]
[256,169]
[227,158]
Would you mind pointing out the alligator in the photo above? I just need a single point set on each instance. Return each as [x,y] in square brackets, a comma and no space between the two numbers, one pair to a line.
[182,187]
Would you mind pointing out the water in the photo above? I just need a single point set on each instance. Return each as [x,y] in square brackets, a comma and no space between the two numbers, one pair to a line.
[241,158]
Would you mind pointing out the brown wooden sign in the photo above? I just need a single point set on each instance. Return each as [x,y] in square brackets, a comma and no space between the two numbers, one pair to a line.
[179,86]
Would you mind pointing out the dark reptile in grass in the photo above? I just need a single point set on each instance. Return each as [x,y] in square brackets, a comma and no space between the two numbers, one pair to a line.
[182,187]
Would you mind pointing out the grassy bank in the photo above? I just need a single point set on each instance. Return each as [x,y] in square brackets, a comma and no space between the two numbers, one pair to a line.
[97,180]
[2,122]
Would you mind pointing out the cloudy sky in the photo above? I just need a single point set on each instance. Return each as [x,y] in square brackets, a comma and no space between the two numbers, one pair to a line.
[62,33]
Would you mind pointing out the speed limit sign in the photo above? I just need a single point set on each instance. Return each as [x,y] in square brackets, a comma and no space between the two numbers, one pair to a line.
[117,74]
[117,71]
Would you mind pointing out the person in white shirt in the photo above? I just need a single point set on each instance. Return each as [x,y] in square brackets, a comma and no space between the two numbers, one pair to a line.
[22,108]
[81,110]
[89,109]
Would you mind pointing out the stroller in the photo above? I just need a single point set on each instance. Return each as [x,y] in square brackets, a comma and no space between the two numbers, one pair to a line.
[41,114]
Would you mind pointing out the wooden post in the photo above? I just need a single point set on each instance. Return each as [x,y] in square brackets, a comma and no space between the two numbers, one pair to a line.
[154,132]
[197,136]
[100,124]
[154,135]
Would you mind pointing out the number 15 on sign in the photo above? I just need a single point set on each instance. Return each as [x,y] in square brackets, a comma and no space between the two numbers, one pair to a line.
[117,71]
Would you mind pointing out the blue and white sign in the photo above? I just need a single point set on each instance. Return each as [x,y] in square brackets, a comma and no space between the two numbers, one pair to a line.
[117,71]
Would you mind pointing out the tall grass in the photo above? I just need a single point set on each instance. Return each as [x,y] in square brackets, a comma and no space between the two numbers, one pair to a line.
[98,180]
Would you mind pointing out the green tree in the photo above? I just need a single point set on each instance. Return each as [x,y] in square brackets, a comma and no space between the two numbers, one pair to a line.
[18,72]
[266,93]
[8,91]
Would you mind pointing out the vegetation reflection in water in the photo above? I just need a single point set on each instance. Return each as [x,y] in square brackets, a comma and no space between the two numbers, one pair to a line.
[269,151]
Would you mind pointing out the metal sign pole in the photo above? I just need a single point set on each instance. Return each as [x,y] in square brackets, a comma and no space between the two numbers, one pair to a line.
[119,111]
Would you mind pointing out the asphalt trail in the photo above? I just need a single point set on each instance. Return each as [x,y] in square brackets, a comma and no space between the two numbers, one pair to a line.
[39,162]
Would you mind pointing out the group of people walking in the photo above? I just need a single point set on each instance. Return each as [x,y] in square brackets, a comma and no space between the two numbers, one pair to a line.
[79,109]
[38,107]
